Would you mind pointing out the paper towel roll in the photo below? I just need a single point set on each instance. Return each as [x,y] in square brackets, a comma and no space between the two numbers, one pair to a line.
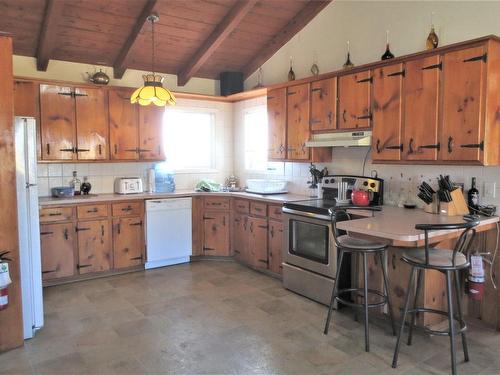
[151,180]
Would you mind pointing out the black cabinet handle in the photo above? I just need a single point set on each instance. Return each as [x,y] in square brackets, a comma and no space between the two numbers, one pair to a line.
[208,248]
[55,214]
[436,146]
[100,149]
[377,146]
[316,89]
[291,93]
[315,121]
[237,251]
[271,231]
[365,80]
[268,98]
[330,117]
[364,117]
[81,149]
[136,224]
[401,73]
[127,209]
[410,146]
[65,234]
[482,58]
[94,210]
[48,149]
[72,149]
[102,230]
[116,149]
[398,147]
[119,228]
[45,233]
[49,271]
[393,261]
[450,145]
[474,145]
[435,66]
[208,218]
[136,258]
[81,229]
[83,265]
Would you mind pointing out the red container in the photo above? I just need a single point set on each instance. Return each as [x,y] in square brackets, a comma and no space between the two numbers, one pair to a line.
[360,198]
[476,289]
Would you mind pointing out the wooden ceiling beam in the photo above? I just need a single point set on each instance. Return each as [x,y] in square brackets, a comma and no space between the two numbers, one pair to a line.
[215,39]
[47,39]
[120,64]
[297,23]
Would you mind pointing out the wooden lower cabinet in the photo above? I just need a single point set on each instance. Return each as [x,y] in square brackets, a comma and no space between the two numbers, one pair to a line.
[275,246]
[257,242]
[239,243]
[94,246]
[57,248]
[216,233]
[128,243]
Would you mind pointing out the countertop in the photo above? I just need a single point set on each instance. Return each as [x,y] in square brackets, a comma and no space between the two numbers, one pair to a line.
[87,199]
[398,224]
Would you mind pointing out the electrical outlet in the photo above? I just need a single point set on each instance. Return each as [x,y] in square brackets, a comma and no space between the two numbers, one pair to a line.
[490,189]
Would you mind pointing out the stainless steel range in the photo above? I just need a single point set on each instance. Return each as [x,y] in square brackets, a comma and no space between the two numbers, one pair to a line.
[309,252]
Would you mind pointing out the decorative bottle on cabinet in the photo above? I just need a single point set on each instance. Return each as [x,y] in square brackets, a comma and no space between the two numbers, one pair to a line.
[291,73]
[432,39]
[387,54]
[348,63]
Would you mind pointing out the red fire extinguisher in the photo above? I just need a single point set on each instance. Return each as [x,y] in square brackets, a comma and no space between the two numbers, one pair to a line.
[4,280]
[476,277]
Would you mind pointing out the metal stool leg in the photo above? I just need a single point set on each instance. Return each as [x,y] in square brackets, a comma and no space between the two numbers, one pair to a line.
[334,292]
[420,274]
[365,291]
[383,260]
[459,307]
[403,319]
[451,324]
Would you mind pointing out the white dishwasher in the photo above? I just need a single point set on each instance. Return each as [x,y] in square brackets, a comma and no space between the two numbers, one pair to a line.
[168,232]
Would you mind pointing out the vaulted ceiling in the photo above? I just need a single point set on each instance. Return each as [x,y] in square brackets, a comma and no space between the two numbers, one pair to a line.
[194,38]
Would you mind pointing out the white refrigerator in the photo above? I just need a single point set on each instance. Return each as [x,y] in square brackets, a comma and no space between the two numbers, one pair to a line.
[28,225]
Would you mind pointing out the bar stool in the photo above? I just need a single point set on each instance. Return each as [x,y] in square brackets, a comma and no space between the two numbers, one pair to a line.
[449,262]
[347,244]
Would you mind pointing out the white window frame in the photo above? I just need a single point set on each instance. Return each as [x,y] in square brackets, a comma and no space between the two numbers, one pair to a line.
[246,111]
[193,109]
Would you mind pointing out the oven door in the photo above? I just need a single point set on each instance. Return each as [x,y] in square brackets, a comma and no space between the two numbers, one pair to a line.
[308,242]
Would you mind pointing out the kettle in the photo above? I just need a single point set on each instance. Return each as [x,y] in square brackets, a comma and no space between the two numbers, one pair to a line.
[360,198]
[98,78]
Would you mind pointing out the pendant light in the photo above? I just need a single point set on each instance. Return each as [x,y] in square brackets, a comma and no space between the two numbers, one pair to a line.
[153,91]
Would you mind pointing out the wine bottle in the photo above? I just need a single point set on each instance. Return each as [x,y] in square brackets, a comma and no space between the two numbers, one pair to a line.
[473,197]
[76,184]
[291,73]
[387,54]
[432,39]
[348,63]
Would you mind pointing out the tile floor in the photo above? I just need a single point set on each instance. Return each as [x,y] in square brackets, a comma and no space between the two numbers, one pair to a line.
[216,317]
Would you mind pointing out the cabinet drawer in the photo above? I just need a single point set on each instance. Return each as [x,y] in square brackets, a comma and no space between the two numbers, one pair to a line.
[92,211]
[217,203]
[50,215]
[242,206]
[127,209]
[275,212]
[258,209]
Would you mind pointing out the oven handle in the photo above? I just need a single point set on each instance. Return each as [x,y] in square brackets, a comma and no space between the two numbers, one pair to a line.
[305,214]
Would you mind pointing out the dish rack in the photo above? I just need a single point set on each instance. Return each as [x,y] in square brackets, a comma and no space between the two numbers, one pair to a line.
[264,186]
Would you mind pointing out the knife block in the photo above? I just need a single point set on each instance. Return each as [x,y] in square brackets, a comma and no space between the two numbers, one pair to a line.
[432,208]
[457,206]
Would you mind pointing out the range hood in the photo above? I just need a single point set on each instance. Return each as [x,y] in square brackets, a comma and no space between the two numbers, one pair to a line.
[344,139]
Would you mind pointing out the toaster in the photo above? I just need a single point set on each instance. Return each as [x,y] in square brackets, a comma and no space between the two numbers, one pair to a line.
[128,185]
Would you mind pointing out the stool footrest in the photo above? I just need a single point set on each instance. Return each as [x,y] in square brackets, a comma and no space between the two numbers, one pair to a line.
[361,305]
[463,326]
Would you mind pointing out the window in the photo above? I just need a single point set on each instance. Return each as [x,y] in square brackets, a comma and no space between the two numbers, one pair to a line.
[255,124]
[189,139]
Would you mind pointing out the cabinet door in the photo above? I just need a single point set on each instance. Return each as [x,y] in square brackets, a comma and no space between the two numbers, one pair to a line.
[421,95]
[128,243]
[298,122]
[398,272]
[151,133]
[463,102]
[276,117]
[216,233]
[275,246]
[387,106]
[123,125]
[257,242]
[94,246]
[25,99]
[240,238]
[324,105]
[354,101]
[57,122]
[91,124]
[58,250]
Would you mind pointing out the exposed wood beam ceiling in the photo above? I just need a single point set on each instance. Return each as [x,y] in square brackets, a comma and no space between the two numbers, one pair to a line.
[46,43]
[120,64]
[194,38]
[296,24]
[221,32]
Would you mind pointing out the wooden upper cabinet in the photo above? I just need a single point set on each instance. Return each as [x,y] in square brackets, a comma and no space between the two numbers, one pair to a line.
[324,105]
[57,123]
[151,132]
[25,99]
[57,248]
[463,104]
[123,125]
[421,97]
[387,112]
[94,246]
[354,101]
[91,124]
[276,117]
[298,122]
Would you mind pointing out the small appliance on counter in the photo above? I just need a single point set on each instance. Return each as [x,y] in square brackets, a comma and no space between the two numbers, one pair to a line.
[62,191]
[128,185]
[266,187]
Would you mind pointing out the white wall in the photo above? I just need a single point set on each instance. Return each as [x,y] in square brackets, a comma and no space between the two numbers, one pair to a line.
[102,175]
[75,72]
[364,24]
